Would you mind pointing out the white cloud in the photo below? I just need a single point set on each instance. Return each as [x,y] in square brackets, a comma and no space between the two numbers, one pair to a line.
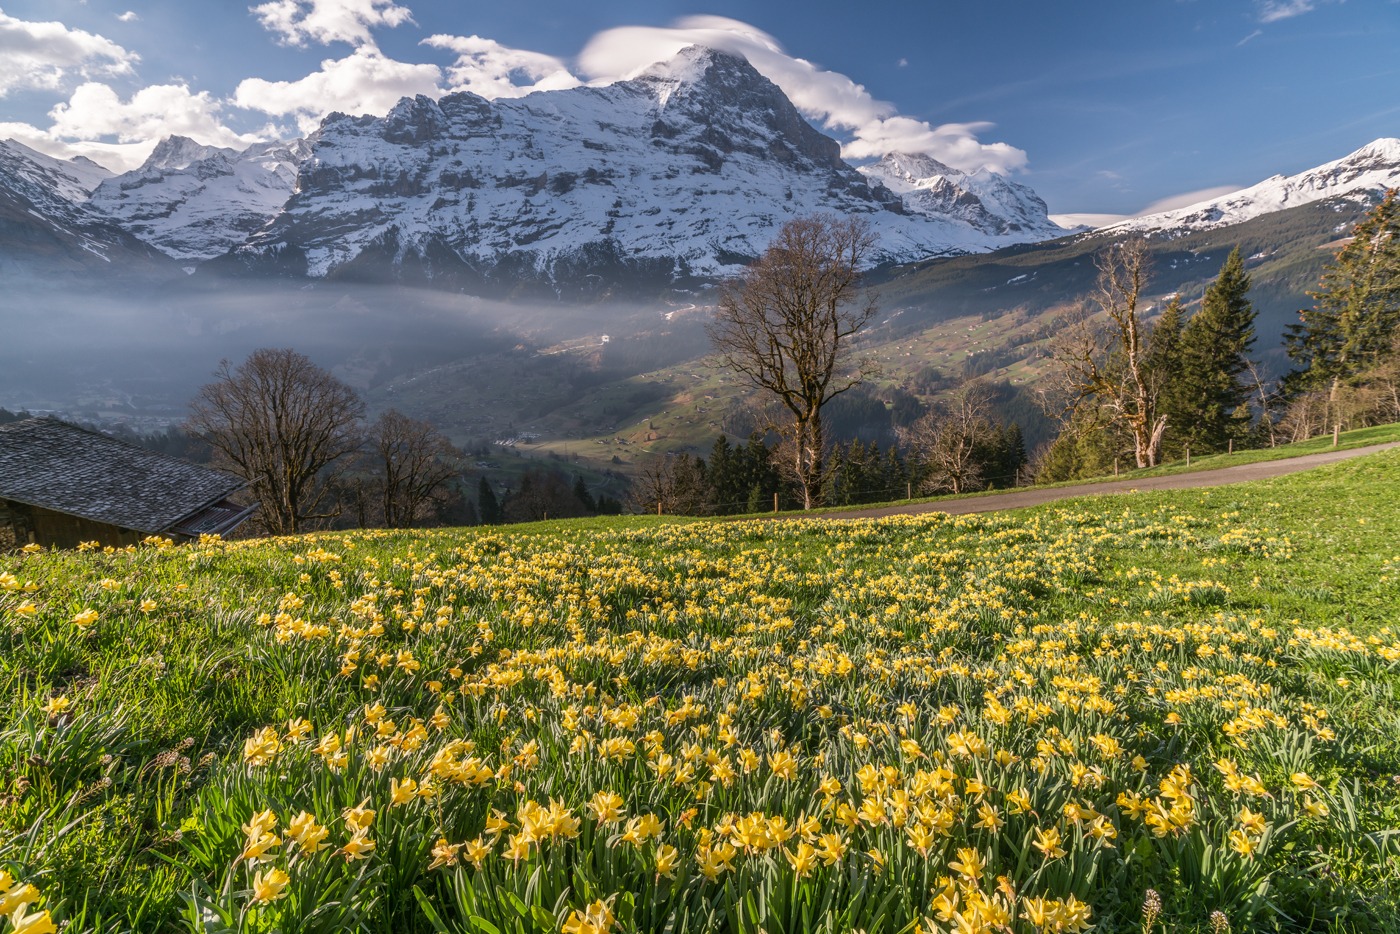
[1271,11]
[363,82]
[128,17]
[96,111]
[119,157]
[296,22]
[828,96]
[1186,199]
[41,55]
[492,70]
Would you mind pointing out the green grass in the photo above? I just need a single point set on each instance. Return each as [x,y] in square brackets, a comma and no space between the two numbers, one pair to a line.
[126,809]
[1347,441]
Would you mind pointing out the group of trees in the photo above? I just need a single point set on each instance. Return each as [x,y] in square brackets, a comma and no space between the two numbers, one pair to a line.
[748,478]
[1347,346]
[1157,387]
[789,325]
[296,434]
[1177,384]
[542,494]
[1127,379]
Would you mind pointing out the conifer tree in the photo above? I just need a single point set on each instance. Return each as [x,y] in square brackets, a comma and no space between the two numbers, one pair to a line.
[1356,309]
[1211,394]
[584,497]
[487,505]
[1164,360]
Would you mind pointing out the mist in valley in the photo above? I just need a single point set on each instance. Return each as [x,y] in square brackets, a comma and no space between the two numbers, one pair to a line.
[477,368]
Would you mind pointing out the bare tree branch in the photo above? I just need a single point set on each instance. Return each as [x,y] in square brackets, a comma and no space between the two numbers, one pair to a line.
[786,324]
[280,422]
[415,460]
[1104,360]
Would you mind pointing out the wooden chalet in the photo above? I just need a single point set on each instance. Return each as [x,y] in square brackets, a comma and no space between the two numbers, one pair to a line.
[61,485]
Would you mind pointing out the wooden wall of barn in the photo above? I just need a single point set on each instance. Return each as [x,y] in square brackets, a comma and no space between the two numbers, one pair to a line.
[21,524]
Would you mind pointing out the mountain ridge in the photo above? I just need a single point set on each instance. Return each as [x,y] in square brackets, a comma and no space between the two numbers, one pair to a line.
[1371,168]
[669,180]
[659,184]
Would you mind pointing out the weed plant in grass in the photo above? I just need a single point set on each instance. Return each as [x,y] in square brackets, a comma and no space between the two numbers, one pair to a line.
[1008,722]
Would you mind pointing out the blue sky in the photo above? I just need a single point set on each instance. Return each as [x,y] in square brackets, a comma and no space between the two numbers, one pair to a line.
[1102,107]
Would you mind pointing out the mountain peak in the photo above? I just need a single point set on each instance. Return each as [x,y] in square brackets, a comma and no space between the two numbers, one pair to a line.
[1363,174]
[1385,149]
[70,179]
[911,166]
[179,152]
[694,63]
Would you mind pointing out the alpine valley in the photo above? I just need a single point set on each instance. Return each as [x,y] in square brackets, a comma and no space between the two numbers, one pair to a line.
[540,266]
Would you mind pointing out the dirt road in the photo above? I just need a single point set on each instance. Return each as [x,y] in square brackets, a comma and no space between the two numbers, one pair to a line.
[1185,481]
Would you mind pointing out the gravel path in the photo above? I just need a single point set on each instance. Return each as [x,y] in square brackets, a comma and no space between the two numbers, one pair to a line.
[1185,481]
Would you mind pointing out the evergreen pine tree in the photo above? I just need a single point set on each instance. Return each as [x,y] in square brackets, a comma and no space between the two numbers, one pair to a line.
[1013,455]
[1211,394]
[894,475]
[731,488]
[1356,309]
[835,484]
[1164,364]
[583,496]
[487,506]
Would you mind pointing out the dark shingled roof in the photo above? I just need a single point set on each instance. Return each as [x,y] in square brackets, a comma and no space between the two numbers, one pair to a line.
[54,465]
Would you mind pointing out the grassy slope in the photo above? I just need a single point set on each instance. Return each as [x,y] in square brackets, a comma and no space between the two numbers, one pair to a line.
[933,314]
[94,809]
[1347,441]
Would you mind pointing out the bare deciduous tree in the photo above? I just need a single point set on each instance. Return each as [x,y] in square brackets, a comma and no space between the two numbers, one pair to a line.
[945,439]
[1267,399]
[1104,361]
[415,460]
[786,325]
[281,423]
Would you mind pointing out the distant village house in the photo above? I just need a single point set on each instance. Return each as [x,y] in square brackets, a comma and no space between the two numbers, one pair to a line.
[61,485]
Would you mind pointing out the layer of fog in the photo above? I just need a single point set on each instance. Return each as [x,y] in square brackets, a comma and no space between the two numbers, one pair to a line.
[140,357]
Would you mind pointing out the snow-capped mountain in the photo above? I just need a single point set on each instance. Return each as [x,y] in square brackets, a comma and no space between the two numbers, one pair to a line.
[42,178]
[676,176]
[1371,169]
[47,225]
[195,202]
[672,178]
[986,200]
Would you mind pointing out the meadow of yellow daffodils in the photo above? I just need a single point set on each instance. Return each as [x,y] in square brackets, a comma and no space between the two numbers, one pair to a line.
[1035,723]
